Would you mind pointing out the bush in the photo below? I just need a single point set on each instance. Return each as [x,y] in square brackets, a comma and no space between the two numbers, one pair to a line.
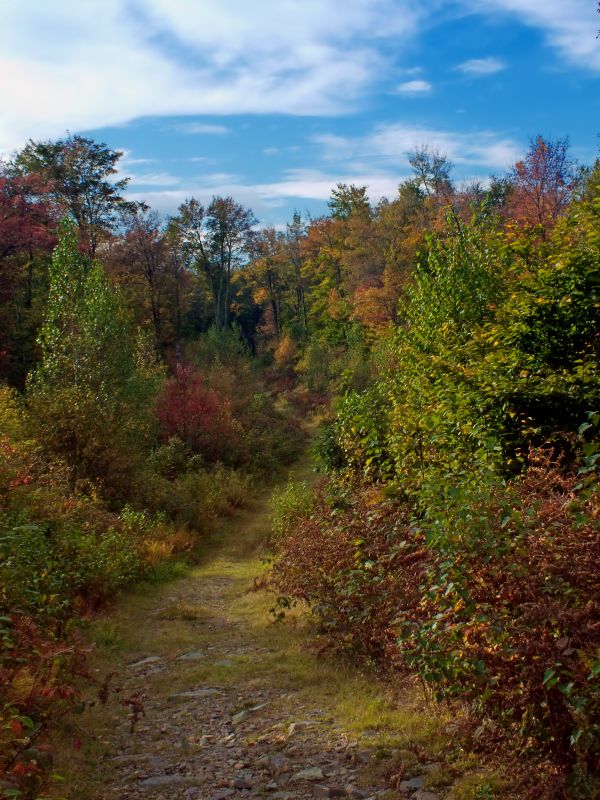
[492,597]
[289,505]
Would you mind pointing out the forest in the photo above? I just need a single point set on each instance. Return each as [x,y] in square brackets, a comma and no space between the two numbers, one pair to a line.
[154,371]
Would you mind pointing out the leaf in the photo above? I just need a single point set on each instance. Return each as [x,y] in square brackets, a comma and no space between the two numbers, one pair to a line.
[595,671]
[548,675]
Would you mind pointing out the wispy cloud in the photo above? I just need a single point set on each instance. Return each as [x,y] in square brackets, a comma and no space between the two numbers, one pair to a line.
[481,66]
[393,142]
[569,25]
[202,128]
[154,179]
[106,62]
[415,87]
[295,185]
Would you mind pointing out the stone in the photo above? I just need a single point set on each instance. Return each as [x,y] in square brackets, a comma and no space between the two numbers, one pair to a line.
[412,785]
[193,655]
[258,707]
[240,783]
[279,763]
[237,718]
[328,792]
[221,794]
[297,726]
[145,662]
[156,781]
[194,694]
[309,774]
[354,793]
[127,759]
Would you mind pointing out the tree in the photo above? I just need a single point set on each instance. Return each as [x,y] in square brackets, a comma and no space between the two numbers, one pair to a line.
[145,250]
[542,184]
[79,173]
[196,414]
[216,241]
[295,235]
[86,395]
[268,272]
[432,172]
[348,200]
[27,235]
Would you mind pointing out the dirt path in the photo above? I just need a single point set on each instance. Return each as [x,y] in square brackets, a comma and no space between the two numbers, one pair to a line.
[230,705]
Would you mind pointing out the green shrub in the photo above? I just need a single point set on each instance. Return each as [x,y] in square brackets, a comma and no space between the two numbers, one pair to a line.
[289,505]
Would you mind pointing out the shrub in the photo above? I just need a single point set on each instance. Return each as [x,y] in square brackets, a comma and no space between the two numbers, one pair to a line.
[289,505]
[197,415]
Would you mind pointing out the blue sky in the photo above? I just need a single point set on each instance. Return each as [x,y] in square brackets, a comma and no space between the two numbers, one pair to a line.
[275,101]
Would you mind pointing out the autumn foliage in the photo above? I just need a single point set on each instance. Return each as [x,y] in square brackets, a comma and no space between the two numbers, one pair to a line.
[199,416]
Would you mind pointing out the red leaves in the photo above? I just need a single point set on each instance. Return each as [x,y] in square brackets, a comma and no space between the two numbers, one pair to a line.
[199,416]
[542,184]
[26,217]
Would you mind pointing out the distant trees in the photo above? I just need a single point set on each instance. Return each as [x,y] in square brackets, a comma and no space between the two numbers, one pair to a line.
[216,241]
[335,277]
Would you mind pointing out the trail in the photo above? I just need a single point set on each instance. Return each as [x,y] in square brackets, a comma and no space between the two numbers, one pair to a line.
[222,703]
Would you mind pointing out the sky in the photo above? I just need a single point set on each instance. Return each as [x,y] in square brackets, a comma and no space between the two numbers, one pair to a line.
[276,101]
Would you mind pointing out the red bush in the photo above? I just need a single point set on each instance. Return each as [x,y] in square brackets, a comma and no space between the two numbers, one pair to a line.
[199,416]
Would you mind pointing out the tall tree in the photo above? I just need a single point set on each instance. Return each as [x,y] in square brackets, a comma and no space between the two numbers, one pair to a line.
[145,250]
[346,201]
[268,272]
[27,235]
[432,172]
[295,237]
[80,175]
[83,394]
[542,184]
[216,241]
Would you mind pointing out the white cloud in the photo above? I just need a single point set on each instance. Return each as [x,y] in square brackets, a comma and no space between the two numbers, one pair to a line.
[153,179]
[481,66]
[569,25]
[80,66]
[299,185]
[392,143]
[202,128]
[316,185]
[414,87]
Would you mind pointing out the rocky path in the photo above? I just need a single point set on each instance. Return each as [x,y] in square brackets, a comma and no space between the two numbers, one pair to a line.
[211,700]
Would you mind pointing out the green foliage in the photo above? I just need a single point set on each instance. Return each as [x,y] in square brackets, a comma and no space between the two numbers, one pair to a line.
[86,396]
[290,504]
[467,518]
[43,567]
